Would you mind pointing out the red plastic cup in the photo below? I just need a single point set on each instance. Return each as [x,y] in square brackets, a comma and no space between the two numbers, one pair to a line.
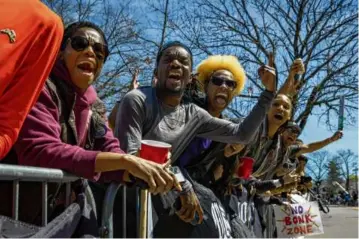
[154,151]
[245,170]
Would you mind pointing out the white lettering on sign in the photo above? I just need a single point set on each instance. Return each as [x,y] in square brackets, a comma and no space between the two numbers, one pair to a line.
[245,213]
[302,220]
[220,220]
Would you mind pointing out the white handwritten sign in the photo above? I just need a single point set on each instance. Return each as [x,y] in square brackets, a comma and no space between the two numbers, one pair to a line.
[303,219]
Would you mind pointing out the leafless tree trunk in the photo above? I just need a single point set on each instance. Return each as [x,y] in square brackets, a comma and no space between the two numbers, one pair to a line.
[348,162]
[316,166]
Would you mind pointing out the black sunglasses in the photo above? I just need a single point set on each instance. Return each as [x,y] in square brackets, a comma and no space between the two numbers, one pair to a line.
[80,43]
[218,81]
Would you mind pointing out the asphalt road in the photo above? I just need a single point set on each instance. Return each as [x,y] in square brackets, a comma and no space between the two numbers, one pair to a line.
[340,222]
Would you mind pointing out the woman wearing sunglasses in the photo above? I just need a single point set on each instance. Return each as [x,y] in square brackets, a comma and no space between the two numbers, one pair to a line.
[67,128]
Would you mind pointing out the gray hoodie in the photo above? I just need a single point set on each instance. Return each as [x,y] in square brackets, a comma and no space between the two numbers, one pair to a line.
[142,116]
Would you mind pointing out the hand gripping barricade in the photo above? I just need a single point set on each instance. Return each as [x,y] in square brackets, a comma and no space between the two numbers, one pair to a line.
[74,220]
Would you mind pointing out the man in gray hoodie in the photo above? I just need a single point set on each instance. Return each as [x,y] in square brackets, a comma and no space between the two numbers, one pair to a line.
[158,114]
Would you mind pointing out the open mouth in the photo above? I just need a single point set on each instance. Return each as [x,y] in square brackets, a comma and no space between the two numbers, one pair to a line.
[174,79]
[174,75]
[221,99]
[86,67]
[278,116]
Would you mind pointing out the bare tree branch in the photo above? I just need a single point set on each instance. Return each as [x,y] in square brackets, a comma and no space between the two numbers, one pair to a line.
[317,165]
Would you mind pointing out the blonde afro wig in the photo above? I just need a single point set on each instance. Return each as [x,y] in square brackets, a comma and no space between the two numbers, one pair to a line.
[221,62]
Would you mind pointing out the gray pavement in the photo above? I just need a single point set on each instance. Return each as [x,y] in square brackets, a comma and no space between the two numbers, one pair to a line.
[340,222]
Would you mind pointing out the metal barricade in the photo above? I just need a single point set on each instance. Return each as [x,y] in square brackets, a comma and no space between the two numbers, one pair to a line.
[106,230]
[18,173]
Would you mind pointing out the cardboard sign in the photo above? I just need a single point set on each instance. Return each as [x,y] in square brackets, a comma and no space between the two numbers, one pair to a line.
[295,198]
[303,220]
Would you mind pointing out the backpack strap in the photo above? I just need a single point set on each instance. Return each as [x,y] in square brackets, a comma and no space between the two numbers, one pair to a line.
[52,88]
[64,99]
[151,113]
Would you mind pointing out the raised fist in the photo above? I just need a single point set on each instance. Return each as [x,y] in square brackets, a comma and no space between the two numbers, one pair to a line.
[336,136]
[268,75]
[297,67]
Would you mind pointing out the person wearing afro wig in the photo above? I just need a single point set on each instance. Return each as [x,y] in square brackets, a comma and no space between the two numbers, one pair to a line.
[222,78]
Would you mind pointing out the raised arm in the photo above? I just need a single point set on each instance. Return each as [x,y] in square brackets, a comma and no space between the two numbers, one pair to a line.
[309,148]
[225,131]
[290,86]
